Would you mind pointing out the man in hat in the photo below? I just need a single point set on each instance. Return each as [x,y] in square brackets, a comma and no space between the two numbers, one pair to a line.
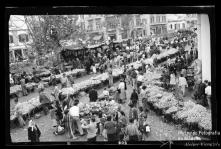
[23,86]
[64,81]
[93,95]
[134,97]
[140,78]
[134,78]
[110,75]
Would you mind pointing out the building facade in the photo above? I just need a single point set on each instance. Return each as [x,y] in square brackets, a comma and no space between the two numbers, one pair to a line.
[118,27]
[140,26]
[175,25]
[19,41]
[94,27]
[158,24]
[191,21]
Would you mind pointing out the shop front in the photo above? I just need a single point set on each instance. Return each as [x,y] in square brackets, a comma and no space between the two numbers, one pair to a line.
[18,53]
[158,29]
[112,34]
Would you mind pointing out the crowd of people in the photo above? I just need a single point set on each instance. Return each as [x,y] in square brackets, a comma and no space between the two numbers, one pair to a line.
[118,127]
[175,76]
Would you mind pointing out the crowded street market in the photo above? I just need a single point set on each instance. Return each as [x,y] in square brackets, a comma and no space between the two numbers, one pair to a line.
[113,90]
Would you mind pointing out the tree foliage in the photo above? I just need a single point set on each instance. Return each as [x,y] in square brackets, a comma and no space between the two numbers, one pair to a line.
[46,31]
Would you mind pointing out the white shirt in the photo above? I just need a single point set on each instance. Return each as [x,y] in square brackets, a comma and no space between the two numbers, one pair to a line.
[91,129]
[182,81]
[106,93]
[74,111]
[63,79]
[11,80]
[94,69]
[172,79]
[140,78]
[208,90]
[121,85]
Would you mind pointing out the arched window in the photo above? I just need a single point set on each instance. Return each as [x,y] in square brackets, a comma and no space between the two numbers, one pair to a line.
[171,26]
[23,38]
[183,25]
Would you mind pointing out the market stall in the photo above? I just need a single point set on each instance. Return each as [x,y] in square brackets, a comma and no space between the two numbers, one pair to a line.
[72,52]
[187,113]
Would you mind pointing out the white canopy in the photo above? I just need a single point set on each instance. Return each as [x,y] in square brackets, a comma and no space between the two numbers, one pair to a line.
[22,32]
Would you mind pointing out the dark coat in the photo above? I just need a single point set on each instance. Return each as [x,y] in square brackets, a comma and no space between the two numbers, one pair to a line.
[201,89]
[34,135]
[134,96]
[93,95]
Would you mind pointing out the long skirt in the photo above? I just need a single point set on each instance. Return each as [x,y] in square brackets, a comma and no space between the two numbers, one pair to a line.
[144,104]
[68,129]
[110,80]
[24,90]
[138,86]
[209,101]
[134,83]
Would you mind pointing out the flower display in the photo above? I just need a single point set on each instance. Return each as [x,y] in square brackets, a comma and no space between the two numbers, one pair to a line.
[30,85]
[205,121]
[106,107]
[166,102]
[73,72]
[34,101]
[172,109]
[197,113]
[190,111]
[68,90]
[15,89]
[167,53]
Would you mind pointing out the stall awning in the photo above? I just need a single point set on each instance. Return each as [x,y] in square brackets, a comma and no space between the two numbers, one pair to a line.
[97,37]
[21,32]
[72,47]
[94,46]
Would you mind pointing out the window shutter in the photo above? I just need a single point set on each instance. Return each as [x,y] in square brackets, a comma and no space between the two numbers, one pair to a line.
[19,38]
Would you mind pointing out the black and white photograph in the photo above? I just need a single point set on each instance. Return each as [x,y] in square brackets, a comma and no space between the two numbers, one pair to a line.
[110,78]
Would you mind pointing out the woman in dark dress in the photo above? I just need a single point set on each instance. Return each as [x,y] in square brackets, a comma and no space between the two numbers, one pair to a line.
[33,132]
